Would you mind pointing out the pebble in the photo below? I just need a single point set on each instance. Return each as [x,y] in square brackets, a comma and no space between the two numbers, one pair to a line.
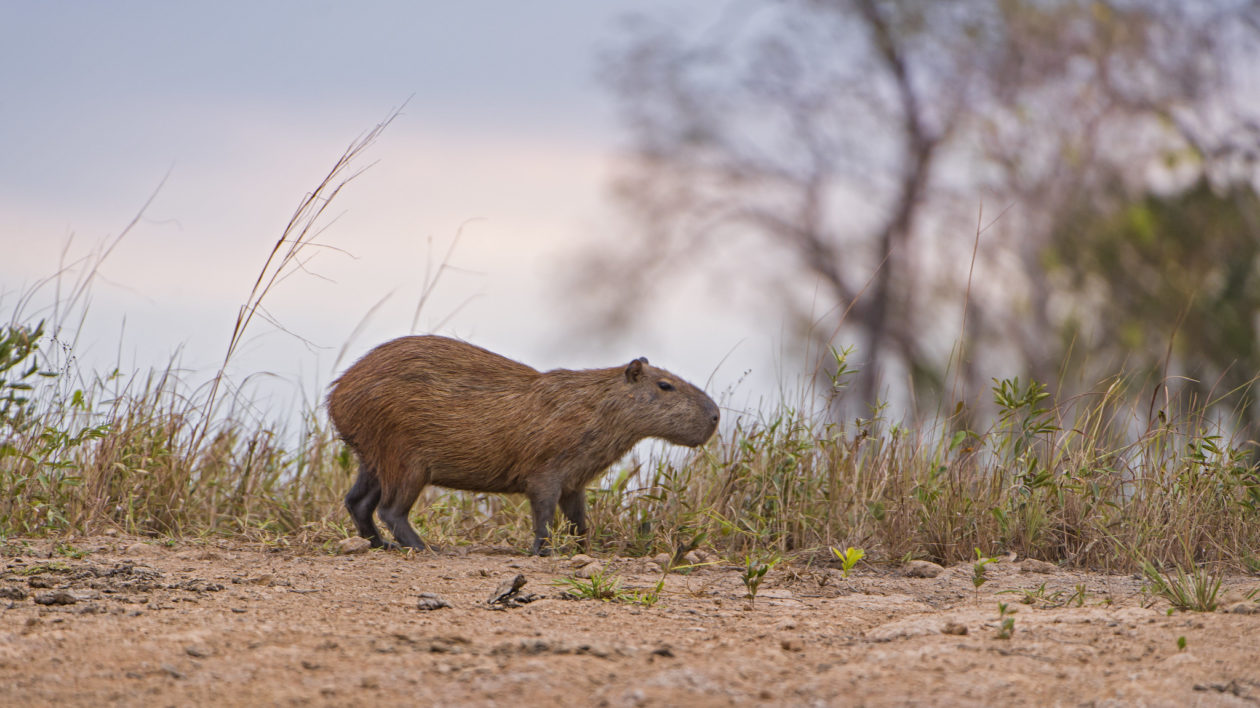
[580,560]
[1032,565]
[198,651]
[699,557]
[355,544]
[55,597]
[140,549]
[431,601]
[592,568]
[922,569]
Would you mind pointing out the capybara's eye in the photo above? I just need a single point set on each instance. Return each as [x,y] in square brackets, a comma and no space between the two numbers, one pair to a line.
[665,385]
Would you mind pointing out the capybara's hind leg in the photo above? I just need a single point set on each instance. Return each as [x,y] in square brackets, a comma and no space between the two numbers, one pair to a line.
[395,505]
[573,505]
[361,501]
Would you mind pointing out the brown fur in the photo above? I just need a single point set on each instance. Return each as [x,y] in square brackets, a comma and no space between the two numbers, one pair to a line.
[432,410]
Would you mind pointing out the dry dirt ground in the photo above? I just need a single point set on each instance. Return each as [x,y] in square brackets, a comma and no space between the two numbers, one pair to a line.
[223,623]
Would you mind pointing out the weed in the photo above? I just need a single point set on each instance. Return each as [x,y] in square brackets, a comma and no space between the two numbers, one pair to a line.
[754,572]
[647,597]
[1006,618]
[1181,643]
[1038,596]
[978,574]
[848,558]
[1196,590]
[69,551]
[1078,596]
[606,586]
[602,585]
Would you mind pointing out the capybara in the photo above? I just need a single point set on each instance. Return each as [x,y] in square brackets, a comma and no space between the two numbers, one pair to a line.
[432,410]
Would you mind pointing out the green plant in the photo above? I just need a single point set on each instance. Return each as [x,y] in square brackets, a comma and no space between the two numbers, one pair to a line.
[1181,643]
[1038,596]
[754,572]
[848,558]
[1006,627]
[1078,596]
[646,597]
[1196,590]
[69,551]
[606,586]
[602,585]
[978,574]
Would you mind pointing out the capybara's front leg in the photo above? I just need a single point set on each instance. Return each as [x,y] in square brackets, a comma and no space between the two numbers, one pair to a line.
[542,502]
[573,506]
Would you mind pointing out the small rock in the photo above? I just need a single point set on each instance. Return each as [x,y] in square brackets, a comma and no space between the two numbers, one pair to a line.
[954,628]
[662,559]
[904,629]
[792,644]
[140,549]
[55,597]
[196,585]
[652,568]
[580,560]
[694,557]
[41,581]
[12,592]
[198,651]
[1032,565]
[1244,608]
[356,544]
[592,568]
[922,569]
[449,645]
[431,601]
[172,671]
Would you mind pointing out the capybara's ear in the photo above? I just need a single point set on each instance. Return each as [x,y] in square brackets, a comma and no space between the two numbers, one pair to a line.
[634,371]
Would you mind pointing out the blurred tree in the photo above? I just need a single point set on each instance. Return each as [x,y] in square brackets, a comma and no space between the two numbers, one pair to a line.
[1165,287]
[830,157]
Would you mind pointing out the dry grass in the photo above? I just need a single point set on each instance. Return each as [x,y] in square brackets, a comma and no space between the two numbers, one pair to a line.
[1100,481]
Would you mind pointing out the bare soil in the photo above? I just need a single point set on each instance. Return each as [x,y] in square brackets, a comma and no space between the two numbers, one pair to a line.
[225,623]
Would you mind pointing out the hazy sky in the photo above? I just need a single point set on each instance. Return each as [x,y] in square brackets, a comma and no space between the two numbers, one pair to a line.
[244,106]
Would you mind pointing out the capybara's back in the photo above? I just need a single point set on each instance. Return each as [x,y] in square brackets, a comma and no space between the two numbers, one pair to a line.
[432,410]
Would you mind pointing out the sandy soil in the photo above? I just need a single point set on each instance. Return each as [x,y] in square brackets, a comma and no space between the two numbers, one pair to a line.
[219,623]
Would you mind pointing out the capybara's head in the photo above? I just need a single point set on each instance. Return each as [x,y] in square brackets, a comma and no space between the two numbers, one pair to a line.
[664,406]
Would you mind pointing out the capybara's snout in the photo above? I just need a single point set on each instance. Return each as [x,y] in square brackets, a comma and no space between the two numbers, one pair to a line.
[709,417]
